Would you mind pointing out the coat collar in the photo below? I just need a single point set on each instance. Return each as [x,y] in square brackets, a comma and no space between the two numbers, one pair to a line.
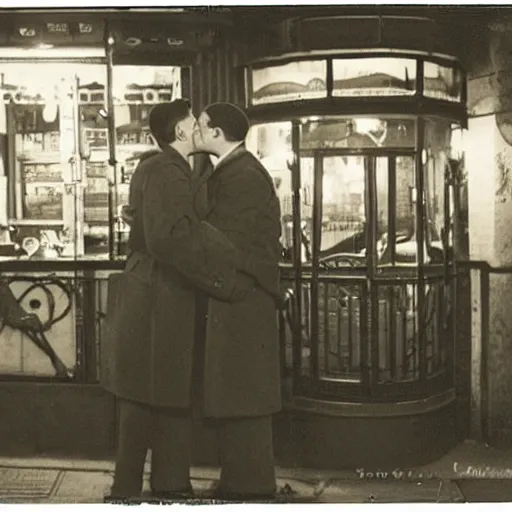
[234,155]
[178,159]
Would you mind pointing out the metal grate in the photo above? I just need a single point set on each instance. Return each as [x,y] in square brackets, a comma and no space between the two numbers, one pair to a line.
[28,483]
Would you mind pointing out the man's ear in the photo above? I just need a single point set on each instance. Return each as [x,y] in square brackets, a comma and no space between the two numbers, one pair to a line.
[179,133]
[217,132]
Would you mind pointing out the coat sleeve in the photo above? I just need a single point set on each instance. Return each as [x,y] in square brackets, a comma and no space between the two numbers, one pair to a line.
[174,236]
[247,211]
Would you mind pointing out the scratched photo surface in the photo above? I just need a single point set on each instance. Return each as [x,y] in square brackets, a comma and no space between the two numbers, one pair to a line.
[299,281]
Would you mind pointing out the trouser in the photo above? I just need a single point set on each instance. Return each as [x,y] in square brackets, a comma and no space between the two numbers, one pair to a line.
[167,432]
[245,445]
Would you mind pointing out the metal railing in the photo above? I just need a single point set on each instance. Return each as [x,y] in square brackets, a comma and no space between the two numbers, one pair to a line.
[364,338]
[71,307]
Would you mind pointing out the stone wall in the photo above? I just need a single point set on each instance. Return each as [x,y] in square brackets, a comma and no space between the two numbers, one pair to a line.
[489,167]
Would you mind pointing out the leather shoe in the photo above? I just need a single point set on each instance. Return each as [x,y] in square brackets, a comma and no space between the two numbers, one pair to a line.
[119,500]
[222,495]
[184,494]
[276,497]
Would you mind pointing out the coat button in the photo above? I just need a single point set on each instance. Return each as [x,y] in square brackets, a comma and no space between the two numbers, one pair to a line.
[217,284]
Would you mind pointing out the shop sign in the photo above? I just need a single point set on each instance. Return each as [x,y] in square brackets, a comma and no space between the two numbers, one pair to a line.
[58,32]
[26,33]
[88,32]
[132,37]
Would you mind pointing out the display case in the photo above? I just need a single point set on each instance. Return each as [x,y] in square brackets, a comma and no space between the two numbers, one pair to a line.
[47,128]
[136,89]
[65,185]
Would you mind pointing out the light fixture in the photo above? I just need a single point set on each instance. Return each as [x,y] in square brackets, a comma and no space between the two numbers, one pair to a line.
[457,142]
[367,125]
[50,108]
[103,113]
[111,41]
[50,111]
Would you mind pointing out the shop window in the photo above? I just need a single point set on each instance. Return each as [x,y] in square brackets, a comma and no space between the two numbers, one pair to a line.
[343,206]
[98,97]
[302,80]
[442,82]
[441,153]
[59,179]
[358,132]
[135,90]
[396,211]
[374,77]
[48,200]
[271,144]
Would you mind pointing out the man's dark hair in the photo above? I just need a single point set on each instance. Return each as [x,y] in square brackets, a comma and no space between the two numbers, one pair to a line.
[163,119]
[230,119]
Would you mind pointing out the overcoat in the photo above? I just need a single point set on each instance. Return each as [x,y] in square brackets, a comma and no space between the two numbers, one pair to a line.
[165,235]
[242,372]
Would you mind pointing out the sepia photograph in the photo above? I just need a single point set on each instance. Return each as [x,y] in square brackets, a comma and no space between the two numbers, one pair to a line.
[255,254]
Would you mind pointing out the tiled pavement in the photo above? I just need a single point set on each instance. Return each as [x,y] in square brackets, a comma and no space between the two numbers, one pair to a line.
[469,473]
[36,485]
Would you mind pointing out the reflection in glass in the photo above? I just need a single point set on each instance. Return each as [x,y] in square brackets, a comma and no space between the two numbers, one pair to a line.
[92,102]
[47,169]
[343,210]
[361,132]
[437,144]
[406,246]
[377,76]
[442,82]
[294,81]
[307,180]
[136,89]
[395,220]
[42,202]
[382,206]
[271,144]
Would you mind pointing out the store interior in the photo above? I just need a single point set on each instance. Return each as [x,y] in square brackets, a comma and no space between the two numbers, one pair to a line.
[62,198]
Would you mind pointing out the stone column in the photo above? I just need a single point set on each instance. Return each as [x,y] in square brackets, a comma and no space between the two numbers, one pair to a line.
[489,167]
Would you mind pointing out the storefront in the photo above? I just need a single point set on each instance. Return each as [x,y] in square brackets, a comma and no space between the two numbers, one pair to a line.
[365,147]
[358,120]
[76,91]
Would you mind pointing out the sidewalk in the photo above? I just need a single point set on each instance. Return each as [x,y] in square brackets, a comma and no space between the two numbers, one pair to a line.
[469,473]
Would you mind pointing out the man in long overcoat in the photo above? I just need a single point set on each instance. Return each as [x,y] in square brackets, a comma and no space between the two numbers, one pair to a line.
[241,353]
[152,373]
